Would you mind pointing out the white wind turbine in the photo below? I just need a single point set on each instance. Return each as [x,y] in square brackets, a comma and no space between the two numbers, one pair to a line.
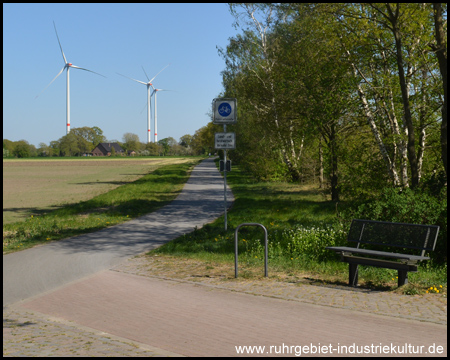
[67,66]
[149,105]
[156,119]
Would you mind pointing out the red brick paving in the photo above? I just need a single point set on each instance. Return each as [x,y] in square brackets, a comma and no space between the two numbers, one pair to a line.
[196,320]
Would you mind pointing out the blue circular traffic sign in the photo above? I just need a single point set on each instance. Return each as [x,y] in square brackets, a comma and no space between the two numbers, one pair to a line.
[224,109]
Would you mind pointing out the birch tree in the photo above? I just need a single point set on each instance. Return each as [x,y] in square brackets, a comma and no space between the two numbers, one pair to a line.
[388,47]
[255,54]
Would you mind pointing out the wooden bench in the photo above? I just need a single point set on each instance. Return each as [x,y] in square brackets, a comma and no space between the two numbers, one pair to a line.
[388,237]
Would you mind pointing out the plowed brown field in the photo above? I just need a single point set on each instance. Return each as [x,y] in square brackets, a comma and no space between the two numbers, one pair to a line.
[34,186]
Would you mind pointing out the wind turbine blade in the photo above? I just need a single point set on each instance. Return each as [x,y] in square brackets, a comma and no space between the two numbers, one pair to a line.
[132,79]
[159,73]
[77,67]
[62,52]
[50,82]
[145,107]
[145,74]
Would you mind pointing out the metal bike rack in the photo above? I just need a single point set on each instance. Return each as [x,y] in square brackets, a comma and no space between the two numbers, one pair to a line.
[236,247]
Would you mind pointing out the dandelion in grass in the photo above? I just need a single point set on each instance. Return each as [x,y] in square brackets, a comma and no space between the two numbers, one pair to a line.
[433,289]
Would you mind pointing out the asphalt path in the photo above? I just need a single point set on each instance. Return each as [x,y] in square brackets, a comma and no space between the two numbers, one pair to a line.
[44,268]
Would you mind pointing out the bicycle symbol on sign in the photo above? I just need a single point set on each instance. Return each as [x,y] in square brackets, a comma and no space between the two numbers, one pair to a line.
[224,109]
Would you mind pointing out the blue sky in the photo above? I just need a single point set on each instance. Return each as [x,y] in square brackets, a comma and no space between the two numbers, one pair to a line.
[111,39]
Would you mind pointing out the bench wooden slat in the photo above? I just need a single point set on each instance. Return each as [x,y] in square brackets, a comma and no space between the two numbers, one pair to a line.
[377,253]
[383,233]
[380,263]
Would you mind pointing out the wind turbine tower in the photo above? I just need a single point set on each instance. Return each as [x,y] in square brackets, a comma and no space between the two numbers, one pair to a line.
[67,67]
[148,84]
[155,91]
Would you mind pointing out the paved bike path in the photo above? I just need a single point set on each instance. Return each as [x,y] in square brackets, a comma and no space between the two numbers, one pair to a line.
[184,318]
[34,271]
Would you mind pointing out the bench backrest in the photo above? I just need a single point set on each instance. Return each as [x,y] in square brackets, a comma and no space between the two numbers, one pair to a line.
[411,236]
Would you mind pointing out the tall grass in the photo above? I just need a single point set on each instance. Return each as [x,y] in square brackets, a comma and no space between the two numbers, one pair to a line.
[124,203]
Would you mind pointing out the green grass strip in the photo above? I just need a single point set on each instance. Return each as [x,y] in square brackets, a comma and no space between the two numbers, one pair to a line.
[124,203]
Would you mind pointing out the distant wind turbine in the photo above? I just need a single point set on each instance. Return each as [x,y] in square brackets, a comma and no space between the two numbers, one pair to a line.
[156,119]
[148,84]
[67,66]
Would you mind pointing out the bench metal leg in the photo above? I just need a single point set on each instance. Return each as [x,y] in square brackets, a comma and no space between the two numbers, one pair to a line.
[402,277]
[353,274]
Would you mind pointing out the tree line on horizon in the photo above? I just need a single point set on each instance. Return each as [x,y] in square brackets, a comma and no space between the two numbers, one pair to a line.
[83,140]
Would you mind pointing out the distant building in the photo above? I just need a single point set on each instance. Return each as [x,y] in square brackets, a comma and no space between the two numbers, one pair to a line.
[104,149]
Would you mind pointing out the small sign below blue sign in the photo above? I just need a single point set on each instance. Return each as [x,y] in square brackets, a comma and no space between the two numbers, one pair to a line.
[225,141]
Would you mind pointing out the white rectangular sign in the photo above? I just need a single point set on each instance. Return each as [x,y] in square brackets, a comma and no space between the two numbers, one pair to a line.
[224,111]
[225,141]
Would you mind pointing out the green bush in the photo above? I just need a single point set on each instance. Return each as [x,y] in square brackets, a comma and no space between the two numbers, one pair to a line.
[407,206]
[300,242]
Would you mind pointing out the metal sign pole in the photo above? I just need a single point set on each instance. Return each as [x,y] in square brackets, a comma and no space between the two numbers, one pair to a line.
[225,178]
[224,112]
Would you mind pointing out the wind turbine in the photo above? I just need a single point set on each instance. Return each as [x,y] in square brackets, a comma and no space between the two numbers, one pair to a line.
[149,105]
[67,66]
[156,120]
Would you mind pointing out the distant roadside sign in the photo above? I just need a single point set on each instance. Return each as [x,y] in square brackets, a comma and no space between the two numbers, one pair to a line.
[224,111]
[225,141]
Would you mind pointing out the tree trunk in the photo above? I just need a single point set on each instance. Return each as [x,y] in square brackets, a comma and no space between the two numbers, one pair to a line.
[411,147]
[320,164]
[390,165]
[334,164]
[441,53]
[392,172]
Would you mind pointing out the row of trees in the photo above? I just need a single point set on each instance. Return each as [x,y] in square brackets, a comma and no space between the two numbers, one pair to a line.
[83,140]
[353,95]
